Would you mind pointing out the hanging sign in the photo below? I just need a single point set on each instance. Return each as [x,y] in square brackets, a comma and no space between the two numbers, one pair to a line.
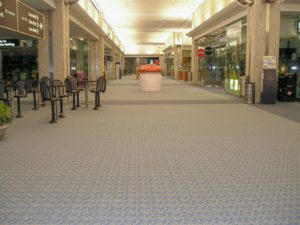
[208,51]
[201,52]
[8,14]
[31,22]
[17,16]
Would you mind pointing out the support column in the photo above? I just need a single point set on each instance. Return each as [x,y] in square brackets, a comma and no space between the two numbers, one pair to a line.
[101,56]
[122,63]
[44,49]
[180,57]
[195,65]
[60,40]
[162,64]
[176,61]
[114,63]
[93,65]
[117,65]
[263,39]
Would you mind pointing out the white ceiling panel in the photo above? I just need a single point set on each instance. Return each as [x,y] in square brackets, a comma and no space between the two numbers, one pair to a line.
[142,22]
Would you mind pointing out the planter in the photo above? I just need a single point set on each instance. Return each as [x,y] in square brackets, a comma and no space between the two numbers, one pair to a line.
[3,128]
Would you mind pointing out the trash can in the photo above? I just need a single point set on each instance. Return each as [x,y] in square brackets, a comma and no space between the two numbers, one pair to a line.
[190,76]
[243,80]
[250,93]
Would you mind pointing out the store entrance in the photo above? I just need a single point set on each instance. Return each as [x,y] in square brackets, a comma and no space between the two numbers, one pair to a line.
[289,58]
[212,67]
[18,61]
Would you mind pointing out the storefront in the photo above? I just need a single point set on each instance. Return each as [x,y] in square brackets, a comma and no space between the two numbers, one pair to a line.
[170,64]
[289,52]
[224,60]
[18,59]
[79,58]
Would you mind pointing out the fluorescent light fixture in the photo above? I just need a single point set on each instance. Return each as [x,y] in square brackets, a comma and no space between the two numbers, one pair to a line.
[294,68]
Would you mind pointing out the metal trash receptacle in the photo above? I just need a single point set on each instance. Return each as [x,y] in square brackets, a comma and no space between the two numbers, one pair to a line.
[250,93]
[243,80]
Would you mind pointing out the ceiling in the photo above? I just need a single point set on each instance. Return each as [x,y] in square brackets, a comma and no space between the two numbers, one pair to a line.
[147,23]
[40,4]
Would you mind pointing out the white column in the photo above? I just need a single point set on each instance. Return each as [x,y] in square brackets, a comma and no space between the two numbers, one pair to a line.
[195,65]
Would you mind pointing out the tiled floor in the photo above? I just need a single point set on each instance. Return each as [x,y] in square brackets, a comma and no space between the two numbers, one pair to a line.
[181,156]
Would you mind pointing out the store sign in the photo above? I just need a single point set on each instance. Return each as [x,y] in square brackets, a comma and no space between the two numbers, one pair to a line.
[201,52]
[8,14]
[30,21]
[269,62]
[208,51]
[9,43]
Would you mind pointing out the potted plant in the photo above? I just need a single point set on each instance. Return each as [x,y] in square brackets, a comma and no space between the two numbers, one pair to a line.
[5,117]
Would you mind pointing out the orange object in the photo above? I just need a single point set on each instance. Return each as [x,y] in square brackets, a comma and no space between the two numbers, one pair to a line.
[149,68]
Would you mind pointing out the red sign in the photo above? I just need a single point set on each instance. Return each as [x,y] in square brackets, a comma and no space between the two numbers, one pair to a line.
[200,52]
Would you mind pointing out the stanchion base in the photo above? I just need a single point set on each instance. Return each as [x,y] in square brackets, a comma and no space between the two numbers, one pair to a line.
[19,116]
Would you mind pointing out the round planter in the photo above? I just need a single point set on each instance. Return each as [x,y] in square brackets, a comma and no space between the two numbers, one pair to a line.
[3,128]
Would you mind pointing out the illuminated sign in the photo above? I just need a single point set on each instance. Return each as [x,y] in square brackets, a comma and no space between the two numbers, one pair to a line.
[30,21]
[9,43]
[8,14]
[234,84]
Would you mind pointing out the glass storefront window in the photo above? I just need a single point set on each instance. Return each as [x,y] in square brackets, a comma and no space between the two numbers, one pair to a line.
[235,55]
[289,52]
[170,65]
[226,64]
[79,58]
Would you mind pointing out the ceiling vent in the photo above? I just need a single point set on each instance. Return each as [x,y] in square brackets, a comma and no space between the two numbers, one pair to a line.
[244,2]
[268,1]
[71,2]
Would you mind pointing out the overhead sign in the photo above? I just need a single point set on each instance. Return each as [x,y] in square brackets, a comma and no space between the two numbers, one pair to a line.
[8,14]
[30,21]
[17,16]
[201,52]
